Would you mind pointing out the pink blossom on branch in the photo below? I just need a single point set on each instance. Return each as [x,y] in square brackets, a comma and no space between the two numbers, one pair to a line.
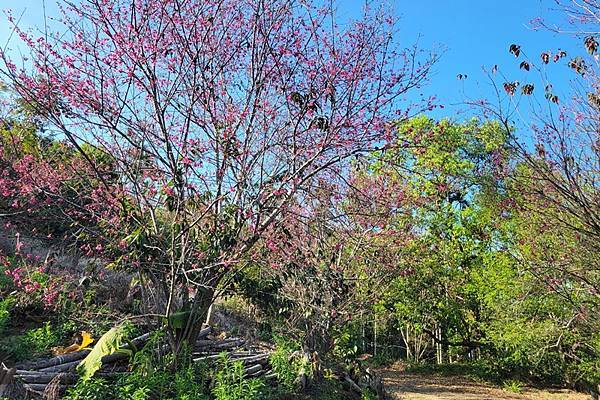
[216,115]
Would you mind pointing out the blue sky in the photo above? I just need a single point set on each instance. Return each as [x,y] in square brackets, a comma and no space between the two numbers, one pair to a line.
[474,33]
[478,34]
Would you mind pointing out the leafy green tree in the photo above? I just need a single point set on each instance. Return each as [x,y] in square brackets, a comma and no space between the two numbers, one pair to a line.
[452,175]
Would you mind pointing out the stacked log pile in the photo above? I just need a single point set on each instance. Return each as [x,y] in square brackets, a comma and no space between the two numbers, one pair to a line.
[57,373]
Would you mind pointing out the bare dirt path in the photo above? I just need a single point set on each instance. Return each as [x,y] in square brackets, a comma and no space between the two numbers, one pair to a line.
[415,386]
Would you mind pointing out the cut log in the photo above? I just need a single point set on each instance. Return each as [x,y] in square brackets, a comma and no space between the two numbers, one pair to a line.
[270,375]
[65,358]
[78,355]
[213,342]
[259,358]
[138,341]
[62,367]
[245,357]
[255,375]
[212,345]
[40,387]
[114,357]
[253,369]
[47,377]
[238,354]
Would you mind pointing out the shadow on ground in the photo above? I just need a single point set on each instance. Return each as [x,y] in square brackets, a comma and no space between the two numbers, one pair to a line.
[402,385]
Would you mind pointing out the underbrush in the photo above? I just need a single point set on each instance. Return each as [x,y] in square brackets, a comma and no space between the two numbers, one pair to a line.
[153,377]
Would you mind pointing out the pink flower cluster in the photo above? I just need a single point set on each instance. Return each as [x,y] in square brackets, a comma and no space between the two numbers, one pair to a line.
[28,285]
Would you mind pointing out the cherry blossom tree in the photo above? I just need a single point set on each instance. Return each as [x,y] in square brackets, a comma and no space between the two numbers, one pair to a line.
[215,115]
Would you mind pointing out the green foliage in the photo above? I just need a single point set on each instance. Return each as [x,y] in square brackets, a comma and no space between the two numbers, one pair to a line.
[512,385]
[34,342]
[189,382]
[346,345]
[152,378]
[368,394]
[186,384]
[230,383]
[285,365]
[109,343]
[41,339]
[329,389]
[91,389]
[5,307]
[489,275]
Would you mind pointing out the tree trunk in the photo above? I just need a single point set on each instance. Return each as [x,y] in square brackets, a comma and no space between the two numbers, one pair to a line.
[182,339]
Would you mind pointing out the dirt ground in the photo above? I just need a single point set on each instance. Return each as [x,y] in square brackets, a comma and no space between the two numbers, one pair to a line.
[402,385]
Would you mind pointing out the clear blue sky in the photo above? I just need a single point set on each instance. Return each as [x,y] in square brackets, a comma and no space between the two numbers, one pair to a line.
[475,33]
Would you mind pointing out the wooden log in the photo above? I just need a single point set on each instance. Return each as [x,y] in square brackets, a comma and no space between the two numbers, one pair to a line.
[237,354]
[245,358]
[234,355]
[259,358]
[47,377]
[138,341]
[108,359]
[253,369]
[62,367]
[211,345]
[255,375]
[25,372]
[352,384]
[77,355]
[202,357]
[40,387]
[65,358]
[270,375]
[114,357]
[213,342]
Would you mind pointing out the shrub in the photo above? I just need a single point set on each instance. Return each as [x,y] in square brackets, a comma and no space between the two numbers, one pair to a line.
[512,385]
[93,389]
[285,366]
[230,383]
[33,342]
[5,306]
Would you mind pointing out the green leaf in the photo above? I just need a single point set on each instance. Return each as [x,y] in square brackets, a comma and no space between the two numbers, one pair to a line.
[178,320]
[109,343]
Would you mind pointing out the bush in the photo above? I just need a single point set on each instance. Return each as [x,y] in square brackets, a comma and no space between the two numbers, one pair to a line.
[286,367]
[33,342]
[188,383]
[93,389]
[230,383]
[512,385]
